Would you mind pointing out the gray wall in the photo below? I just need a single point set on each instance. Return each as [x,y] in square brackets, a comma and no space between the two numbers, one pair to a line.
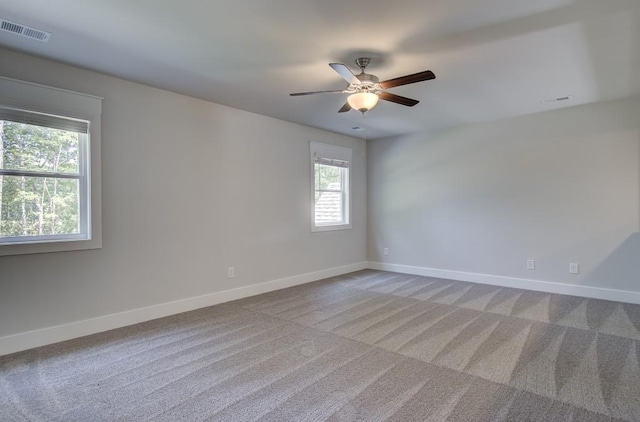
[189,188]
[558,187]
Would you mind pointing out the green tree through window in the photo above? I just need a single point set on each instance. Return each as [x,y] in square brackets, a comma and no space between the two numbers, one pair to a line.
[40,181]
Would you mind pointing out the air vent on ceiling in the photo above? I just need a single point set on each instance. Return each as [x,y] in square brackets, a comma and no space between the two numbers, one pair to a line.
[25,31]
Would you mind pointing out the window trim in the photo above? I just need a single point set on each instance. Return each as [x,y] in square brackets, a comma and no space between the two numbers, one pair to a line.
[331,152]
[68,104]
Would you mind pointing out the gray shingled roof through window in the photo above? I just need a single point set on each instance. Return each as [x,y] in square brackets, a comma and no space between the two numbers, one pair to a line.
[329,206]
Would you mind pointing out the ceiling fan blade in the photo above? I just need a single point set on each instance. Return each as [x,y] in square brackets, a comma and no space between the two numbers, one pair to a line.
[409,79]
[346,107]
[345,73]
[387,96]
[333,91]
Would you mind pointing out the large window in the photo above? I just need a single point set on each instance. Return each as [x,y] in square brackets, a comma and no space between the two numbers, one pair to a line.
[46,169]
[330,180]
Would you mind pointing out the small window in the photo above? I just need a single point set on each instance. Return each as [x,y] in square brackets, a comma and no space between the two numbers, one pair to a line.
[49,169]
[331,182]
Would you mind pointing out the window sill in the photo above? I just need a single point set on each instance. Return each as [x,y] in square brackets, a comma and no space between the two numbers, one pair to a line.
[50,246]
[329,228]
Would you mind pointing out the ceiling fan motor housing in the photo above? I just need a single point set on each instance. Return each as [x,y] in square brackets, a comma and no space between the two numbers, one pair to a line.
[366,78]
[368,83]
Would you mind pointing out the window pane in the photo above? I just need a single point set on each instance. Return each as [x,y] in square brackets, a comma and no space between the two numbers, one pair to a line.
[38,206]
[330,177]
[329,207]
[37,148]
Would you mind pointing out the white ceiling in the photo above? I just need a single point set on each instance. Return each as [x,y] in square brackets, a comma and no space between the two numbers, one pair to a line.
[493,58]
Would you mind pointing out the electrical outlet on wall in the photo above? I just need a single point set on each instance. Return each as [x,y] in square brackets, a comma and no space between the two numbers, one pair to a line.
[574,268]
[385,251]
[231,272]
[531,264]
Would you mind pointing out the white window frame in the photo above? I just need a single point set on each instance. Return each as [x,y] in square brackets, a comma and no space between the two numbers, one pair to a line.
[30,97]
[318,151]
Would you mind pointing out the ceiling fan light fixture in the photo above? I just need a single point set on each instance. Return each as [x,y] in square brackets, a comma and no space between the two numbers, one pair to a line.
[362,101]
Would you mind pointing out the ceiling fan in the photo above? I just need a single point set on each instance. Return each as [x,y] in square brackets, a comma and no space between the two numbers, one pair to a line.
[366,89]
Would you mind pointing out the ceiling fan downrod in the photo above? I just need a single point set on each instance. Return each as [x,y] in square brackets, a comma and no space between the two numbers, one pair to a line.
[362,63]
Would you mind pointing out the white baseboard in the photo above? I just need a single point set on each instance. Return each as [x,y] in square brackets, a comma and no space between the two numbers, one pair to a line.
[30,339]
[518,283]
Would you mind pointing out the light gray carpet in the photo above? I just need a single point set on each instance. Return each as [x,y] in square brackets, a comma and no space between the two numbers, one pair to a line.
[367,346]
